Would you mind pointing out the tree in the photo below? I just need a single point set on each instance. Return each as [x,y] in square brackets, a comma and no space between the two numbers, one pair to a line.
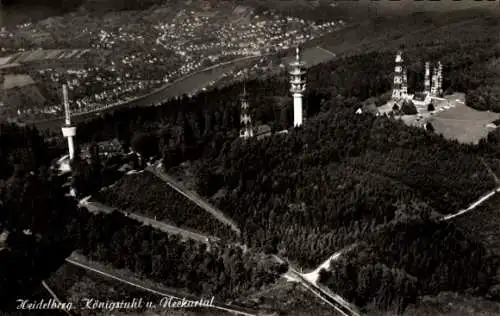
[429,127]
[145,144]
[430,107]
[409,108]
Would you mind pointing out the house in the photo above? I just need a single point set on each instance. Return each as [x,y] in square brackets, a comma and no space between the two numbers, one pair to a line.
[421,99]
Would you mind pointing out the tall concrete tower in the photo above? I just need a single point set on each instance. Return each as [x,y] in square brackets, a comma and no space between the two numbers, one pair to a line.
[427,82]
[298,86]
[68,130]
[398,78]
[246,130]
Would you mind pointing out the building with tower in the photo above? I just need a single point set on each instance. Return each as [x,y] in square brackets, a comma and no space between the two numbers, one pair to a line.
[297,88]
[421,99]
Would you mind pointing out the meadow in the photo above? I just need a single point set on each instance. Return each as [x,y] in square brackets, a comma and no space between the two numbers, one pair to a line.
[463,123]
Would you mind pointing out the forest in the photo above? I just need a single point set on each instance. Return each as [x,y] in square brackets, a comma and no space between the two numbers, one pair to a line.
[33,213]
[189,127]
[224,271]
[281,187]
[341,178]
[153,198]
[50,227]
[412,259]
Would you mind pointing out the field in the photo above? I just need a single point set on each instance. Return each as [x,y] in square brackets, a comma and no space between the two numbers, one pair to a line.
[152,197]
[453,119]
[463,123]
[19,97]
[18,90]
[13,81]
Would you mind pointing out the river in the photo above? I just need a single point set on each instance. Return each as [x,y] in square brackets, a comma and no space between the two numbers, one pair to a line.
[190,83]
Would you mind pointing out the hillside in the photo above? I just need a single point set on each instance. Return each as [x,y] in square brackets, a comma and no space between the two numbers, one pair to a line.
[432,30]
[155,199]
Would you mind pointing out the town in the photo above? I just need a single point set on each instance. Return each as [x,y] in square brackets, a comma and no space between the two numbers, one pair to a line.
[125,62]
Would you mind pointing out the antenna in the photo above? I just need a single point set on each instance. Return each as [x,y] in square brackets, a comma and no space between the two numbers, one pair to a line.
[67,113]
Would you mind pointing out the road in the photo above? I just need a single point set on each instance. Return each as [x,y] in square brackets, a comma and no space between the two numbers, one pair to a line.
[231,309]
[311,279]
[475,204]
[157,96]
[54,296]
[194,197]
[96,207]
[332,299]
[313,276]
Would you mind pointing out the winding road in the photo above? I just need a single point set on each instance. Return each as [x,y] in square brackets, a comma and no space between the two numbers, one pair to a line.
[332,299]
[312,277]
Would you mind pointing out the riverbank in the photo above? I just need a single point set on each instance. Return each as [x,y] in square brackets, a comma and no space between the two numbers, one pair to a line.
[191,83]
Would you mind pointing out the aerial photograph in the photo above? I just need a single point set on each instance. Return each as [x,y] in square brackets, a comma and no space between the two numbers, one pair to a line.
[249,157]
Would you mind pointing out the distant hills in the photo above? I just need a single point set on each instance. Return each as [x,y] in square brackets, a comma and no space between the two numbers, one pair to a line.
[308,9]
[414,31]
